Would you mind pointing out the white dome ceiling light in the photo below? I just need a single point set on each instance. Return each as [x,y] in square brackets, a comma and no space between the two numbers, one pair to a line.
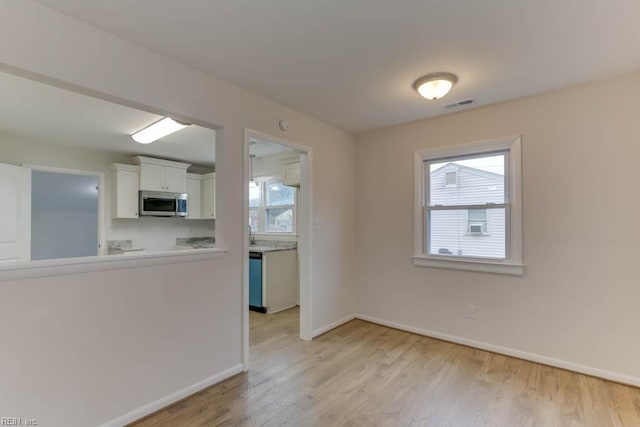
[435,86]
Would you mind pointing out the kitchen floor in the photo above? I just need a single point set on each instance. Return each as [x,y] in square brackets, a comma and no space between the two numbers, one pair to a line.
[369,375]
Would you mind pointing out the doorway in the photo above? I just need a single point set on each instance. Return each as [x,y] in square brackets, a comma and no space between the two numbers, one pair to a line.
[278,199]
[65,214]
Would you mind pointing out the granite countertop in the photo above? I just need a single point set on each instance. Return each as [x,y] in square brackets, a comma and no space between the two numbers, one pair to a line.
[118,247]
[196,242]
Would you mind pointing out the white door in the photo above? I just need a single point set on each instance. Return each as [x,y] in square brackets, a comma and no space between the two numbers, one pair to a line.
[15,215]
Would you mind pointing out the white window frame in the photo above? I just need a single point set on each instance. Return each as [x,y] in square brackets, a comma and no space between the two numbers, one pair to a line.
[513,262]
[262,209]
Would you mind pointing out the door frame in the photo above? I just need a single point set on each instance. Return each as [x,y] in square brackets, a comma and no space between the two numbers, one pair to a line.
[102,249]
[305,237]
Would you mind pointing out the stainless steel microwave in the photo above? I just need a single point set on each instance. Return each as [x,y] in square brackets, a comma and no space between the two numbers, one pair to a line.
[157,203]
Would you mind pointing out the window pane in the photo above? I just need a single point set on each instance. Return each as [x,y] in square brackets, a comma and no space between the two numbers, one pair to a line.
[477,221]
[279,195]
[450,233]
[253,220]
[279,220]
[254,197]
[467,181]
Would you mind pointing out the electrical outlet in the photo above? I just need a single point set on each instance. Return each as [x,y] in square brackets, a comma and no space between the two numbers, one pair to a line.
[472,311]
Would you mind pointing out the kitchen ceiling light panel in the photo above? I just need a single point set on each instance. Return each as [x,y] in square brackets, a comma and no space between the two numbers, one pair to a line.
[158,130]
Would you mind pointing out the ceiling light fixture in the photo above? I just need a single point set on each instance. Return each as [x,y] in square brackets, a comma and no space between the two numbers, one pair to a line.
[252,182]
[158,130]
[436,85]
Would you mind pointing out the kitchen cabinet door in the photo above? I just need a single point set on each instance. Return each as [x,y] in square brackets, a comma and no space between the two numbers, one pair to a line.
[125,183]
[15,215]
[209,196]
[175,180]
[162,175]
[152,177]
[280,281]
[291,175]
[194,190]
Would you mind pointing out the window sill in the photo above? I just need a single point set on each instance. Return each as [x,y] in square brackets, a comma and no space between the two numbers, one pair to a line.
[469,265]
[67,266]
[276,236]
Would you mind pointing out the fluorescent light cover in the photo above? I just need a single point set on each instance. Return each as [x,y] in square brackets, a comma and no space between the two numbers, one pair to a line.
[158,130]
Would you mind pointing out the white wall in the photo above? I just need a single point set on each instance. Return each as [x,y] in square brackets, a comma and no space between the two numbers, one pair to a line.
[101,344]
[578,299]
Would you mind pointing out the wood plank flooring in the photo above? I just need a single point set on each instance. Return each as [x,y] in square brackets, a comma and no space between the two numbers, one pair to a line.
[363,374]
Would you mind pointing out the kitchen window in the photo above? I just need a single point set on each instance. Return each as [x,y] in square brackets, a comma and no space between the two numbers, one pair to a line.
[272,207]
[452,221]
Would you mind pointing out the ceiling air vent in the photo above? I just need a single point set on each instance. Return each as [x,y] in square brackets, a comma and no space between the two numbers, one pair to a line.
[460,103]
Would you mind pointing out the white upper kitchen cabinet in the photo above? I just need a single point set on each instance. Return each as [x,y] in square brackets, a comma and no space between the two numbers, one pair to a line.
[291,175]
[209,196]
[15,215]
[124,186]
[194,196]
[291,171]
[162,175]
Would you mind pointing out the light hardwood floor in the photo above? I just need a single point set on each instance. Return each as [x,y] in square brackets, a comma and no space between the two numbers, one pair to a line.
[362,374]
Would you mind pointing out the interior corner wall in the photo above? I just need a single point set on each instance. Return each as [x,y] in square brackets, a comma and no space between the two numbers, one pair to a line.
[88,348]
[577,302]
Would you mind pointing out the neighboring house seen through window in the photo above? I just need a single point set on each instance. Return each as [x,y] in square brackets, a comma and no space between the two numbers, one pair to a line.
[477,221]
[468,207]
[451,178]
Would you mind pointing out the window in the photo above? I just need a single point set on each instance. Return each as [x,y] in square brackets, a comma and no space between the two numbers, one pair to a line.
[272,207]
[477,221]
[468,207]
[450,178]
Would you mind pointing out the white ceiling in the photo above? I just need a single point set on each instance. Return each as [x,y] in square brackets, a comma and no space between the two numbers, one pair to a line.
[352,63]
[55,116]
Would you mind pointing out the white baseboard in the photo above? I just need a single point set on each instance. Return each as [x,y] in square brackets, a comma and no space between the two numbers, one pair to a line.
[545,360]
[281,309]
[333,325]
[172,398]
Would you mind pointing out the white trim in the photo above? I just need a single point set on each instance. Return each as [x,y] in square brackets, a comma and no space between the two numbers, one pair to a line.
[139,160]
[172,398]
[330,326]
[533,357]
[280,237]
[304,205]
[514,264]
[469,265]
[282,309]
[67,266]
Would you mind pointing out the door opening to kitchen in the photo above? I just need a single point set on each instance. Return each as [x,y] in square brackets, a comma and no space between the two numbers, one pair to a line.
[65,214]
[278,232]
